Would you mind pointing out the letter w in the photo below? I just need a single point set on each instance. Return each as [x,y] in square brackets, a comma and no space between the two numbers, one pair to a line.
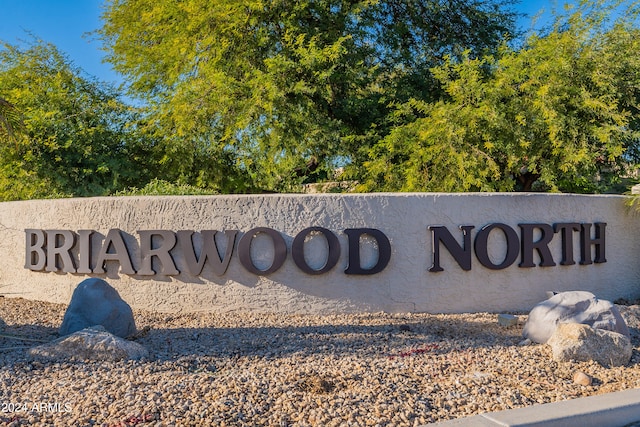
[209,251]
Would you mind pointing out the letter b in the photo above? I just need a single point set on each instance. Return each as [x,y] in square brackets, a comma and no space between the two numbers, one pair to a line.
[35,257]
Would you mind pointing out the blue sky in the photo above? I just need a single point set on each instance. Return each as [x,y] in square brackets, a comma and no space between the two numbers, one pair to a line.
[66,24]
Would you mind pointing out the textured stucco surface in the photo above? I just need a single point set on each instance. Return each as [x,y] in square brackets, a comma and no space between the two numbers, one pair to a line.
[405,285]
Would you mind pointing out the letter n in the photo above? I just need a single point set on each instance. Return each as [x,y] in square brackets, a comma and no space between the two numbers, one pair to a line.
[462,254]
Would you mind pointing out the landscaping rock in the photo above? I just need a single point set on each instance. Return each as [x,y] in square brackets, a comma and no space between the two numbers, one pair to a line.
[631,316]
[507,320]
[582,343]
[581,378]
[93,343]
[95,302]
[572,307]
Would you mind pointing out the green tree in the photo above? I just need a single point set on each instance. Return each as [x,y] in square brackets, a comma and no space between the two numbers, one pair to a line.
[10,120]
[277,92]
[75,138]
[559,114]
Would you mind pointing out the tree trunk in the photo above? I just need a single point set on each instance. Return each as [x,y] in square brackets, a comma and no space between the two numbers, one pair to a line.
[526,180]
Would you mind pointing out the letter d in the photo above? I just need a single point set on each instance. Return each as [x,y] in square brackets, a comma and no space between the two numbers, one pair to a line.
[384,250]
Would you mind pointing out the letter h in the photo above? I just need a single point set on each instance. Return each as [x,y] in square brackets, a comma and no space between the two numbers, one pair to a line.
[586,241]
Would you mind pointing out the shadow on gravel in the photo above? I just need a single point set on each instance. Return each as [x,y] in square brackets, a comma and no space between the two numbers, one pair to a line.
[395,336]
[15,340]
[387,340]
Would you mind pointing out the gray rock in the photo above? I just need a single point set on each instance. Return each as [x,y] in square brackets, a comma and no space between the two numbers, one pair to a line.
[95,302]
[507,320]
[582,343]
[631,316]
[93,343]
[572,307]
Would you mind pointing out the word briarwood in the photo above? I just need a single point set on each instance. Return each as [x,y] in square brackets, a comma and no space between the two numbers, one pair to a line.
[53,250]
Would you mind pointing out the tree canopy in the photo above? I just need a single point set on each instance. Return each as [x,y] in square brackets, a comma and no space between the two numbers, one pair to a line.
[283,91]
[263,95]
[561,113]
[69,133]
[10,120]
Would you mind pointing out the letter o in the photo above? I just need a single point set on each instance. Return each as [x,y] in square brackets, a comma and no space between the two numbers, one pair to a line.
[297,250]
[513,246]
[279,250]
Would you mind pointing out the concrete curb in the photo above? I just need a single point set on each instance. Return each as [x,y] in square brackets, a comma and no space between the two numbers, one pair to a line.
[611,410]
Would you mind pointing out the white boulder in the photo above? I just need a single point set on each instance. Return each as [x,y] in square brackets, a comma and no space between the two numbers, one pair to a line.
[93,343]
[572,307]
[582,343]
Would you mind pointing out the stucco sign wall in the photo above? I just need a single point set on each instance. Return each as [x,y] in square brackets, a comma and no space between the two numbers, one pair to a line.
[323,253]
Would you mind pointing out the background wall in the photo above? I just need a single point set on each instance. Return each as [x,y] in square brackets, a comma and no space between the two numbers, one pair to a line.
[404,285]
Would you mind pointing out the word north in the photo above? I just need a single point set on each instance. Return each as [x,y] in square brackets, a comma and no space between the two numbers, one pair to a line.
[71,252]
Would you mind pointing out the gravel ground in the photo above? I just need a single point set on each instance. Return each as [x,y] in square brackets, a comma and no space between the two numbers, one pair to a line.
[249,369]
